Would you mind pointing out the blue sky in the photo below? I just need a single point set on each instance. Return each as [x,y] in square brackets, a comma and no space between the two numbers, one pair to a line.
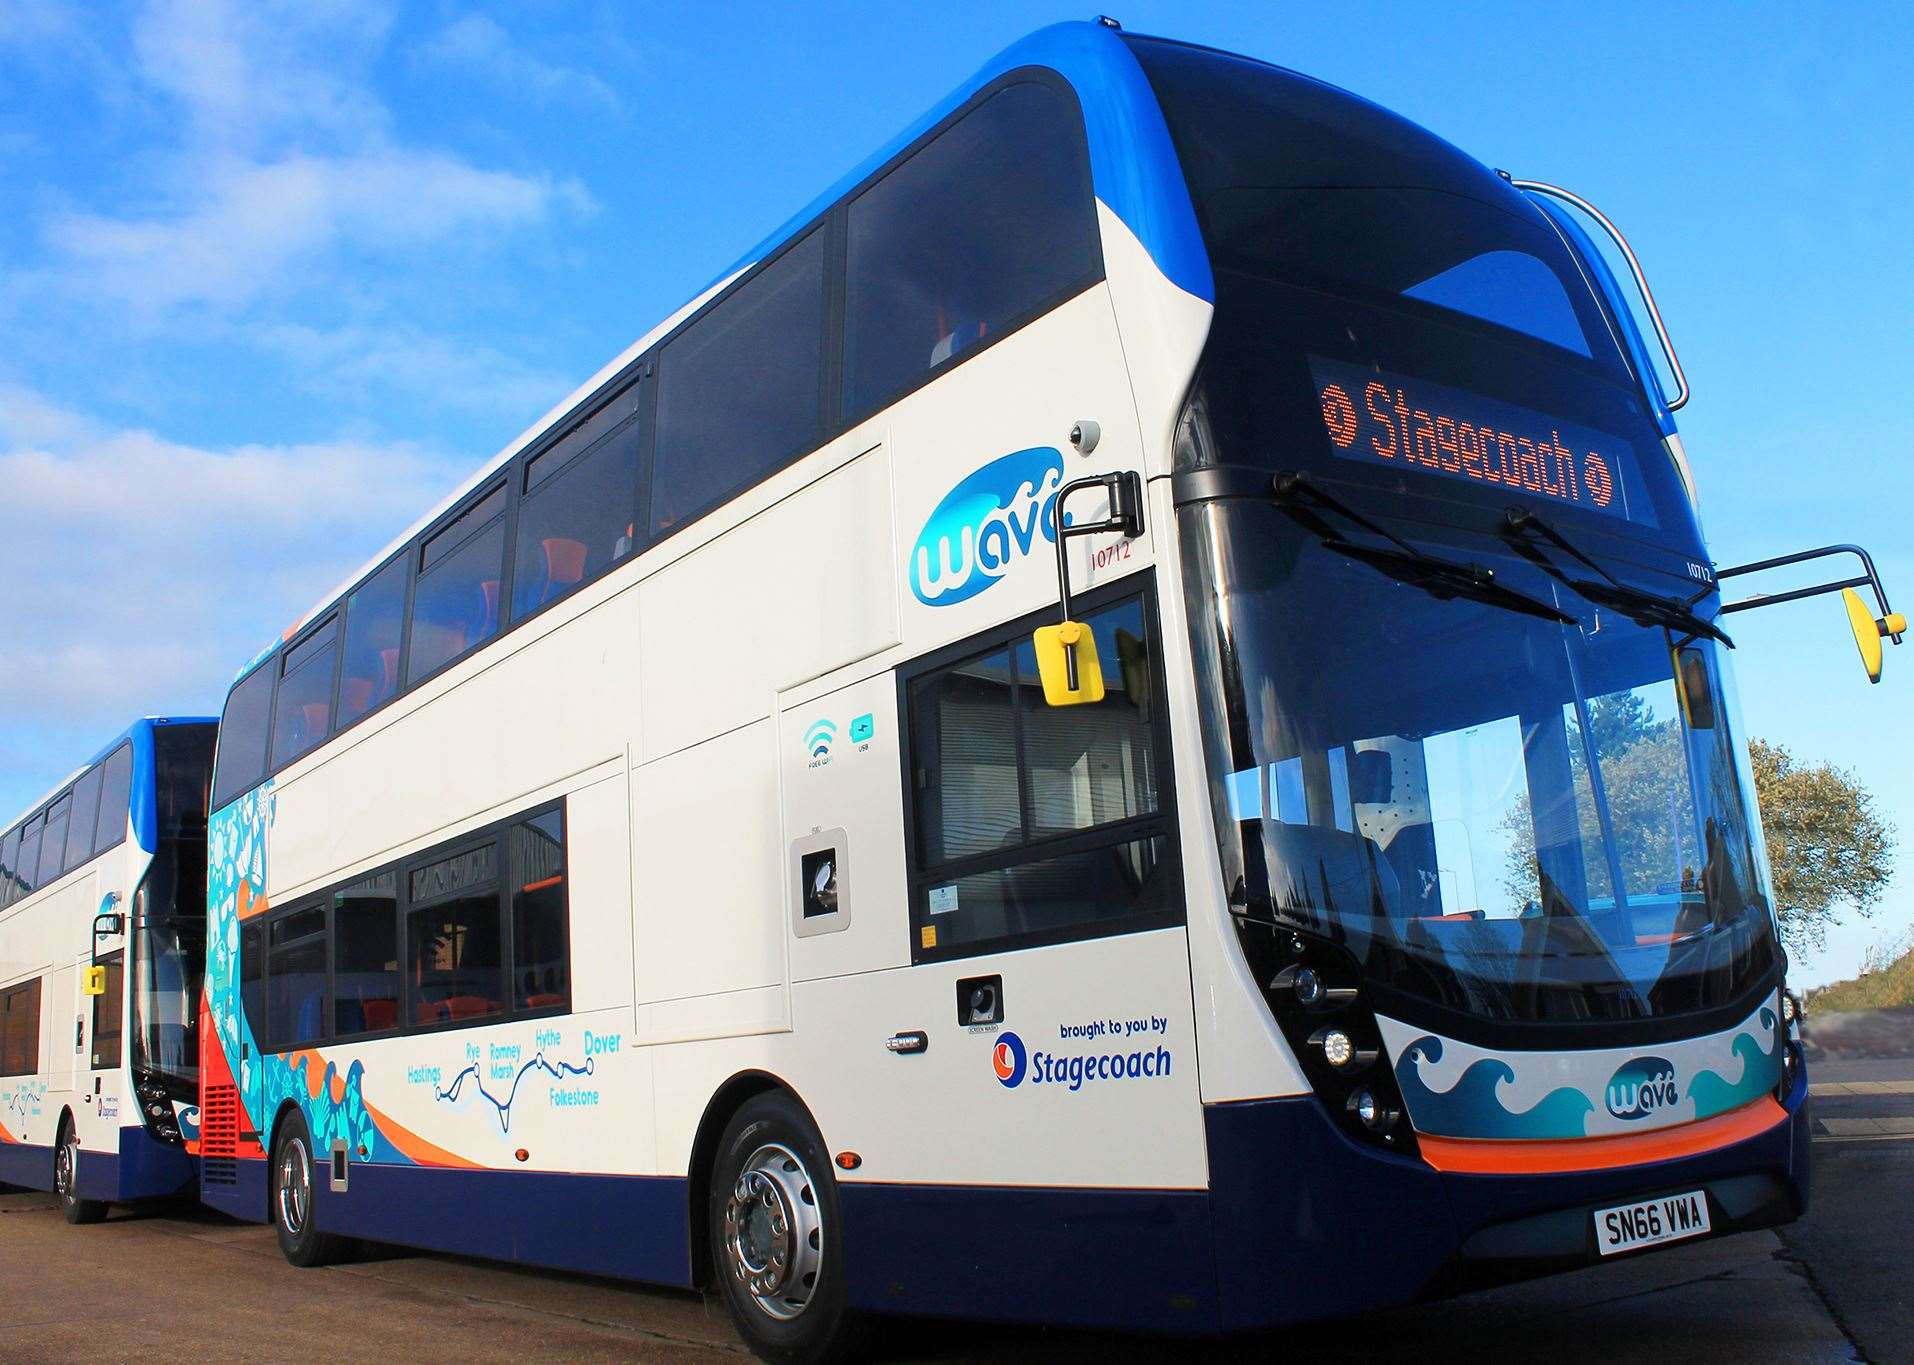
[273,277]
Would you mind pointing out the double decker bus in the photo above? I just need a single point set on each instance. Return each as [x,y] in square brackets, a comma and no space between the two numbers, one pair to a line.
[697,852]
[102,941]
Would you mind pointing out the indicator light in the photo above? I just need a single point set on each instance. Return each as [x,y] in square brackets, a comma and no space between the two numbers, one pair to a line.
[1309,986]
[849,1161]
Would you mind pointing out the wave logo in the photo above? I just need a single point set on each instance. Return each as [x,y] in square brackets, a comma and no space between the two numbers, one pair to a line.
[985,524]
[1009,1060]
[819,738]
[1642,1085]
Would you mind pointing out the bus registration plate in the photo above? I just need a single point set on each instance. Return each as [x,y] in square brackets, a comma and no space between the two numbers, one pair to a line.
[1667,1219]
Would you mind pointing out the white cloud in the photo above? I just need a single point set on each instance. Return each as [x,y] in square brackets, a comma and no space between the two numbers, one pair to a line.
[258,228]
[150,569]
[431,372]
[475,43]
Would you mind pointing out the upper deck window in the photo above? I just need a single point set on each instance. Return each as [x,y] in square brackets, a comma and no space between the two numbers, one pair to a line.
[739,390]
[581,499]
[242,736]
[302,715]
[9,860]
[86,811]
[1294,180]
[973,234]
[455,604]
[53,850]
[116,797]
[375,623]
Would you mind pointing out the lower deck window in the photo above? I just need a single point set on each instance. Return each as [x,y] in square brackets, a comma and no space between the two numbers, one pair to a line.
[20,1029]
[1037,824]
[471,933]
[109,1015]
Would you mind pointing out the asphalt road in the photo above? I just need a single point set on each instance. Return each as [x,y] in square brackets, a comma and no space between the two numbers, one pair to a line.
[188,1283]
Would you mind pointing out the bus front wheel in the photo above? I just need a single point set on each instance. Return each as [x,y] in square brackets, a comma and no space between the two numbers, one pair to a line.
[293,1198]
[776,1236]
[66,1179]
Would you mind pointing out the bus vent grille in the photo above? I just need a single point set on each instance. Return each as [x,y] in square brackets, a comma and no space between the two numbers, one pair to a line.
[219,1133]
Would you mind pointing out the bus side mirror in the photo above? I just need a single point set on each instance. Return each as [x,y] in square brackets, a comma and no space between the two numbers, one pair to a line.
[1067,652]
[1068,664]
[1869,630]
[93,982]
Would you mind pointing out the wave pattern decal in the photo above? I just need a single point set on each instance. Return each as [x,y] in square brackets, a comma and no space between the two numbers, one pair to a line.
[1453,1089]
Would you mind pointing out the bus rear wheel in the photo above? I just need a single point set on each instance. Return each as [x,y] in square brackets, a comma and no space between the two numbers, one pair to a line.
[66,1179]
[776,1238]
[293,1196]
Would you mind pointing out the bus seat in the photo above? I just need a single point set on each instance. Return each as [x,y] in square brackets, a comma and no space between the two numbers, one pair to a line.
[380,1014]
[356,693]
[467,1006]
[316,714]
[488,609]
[564,564]
[542,1000]
[311,1016]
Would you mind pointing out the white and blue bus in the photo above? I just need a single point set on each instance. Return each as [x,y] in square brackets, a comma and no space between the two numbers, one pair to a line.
[697,851]
[102,941]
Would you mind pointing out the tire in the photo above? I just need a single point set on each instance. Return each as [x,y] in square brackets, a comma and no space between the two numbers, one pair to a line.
[776,1236]
[66,1174]
[292,1198]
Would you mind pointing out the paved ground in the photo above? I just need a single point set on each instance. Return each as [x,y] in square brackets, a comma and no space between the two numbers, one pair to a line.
[1833,1287]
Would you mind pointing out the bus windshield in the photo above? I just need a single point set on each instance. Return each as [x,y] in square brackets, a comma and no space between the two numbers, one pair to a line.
[1508,816]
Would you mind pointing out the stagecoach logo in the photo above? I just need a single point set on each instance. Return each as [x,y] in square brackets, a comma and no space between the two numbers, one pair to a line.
[993,518]
[1009,1059]
[1641,1086]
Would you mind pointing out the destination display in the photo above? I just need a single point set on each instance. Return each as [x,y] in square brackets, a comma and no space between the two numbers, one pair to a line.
[1377,417]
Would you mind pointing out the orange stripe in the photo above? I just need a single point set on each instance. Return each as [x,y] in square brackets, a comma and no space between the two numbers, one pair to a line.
[5,1136]
[416,1147]
[1477,1156]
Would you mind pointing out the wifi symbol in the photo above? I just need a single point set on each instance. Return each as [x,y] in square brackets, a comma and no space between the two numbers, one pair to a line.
[819,738]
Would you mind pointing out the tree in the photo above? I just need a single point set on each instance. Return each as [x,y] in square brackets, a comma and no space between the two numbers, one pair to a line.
[1827,846]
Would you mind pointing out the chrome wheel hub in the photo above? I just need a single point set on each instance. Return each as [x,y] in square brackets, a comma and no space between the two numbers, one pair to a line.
[774,1232]
[294,1186]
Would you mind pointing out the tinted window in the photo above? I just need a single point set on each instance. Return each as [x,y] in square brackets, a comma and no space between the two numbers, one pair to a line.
[738,393]
[1036,821]
[86,810]
[242,735]
[20,1029]
[1295,180]
[456,966]
[9,859]
[540,958]
[53,849]
[252,977]
[302,713]
[116,798]
[375,616]
[991,220]
[183,755]
[365,955]
[577,517]
[455,605]
[109,1015]
[296,979]
[28,872]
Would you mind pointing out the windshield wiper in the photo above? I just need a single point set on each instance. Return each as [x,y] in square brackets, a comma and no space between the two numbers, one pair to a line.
[1521,526]
[1443,579]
